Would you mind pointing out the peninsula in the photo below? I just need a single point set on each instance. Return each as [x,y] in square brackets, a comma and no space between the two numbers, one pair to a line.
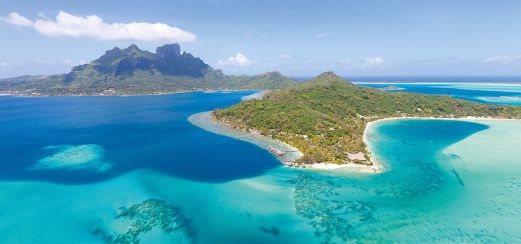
[132,71]
[325,118]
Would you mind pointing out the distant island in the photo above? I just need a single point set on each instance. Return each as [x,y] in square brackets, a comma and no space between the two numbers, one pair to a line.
[132,71]
[325,118]
[391,88]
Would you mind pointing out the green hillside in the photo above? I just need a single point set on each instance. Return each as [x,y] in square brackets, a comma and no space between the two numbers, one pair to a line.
[325,118]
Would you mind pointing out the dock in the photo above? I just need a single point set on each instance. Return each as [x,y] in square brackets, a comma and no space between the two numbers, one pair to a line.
[275,151]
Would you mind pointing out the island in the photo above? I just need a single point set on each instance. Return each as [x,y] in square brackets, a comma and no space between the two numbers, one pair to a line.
[325,118]
[132,71]
[392,88]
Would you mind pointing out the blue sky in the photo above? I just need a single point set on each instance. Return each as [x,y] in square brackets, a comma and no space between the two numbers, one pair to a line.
[298,38]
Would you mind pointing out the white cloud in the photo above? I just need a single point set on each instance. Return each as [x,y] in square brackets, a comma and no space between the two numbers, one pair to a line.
[92,26]
[239,60]
[5,65]
[503,59]
[376,61]
[42,15]
[17,20]
[320,35]
[362,63]
[285,56]
[68,62]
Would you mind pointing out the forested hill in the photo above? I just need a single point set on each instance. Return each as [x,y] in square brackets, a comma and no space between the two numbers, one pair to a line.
[325,118]
[132,71]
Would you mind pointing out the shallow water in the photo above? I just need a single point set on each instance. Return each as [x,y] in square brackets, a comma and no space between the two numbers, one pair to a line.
[438,194]
[446,180]
[493,93]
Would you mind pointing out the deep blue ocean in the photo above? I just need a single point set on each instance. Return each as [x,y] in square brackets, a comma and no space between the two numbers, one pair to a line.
[150,132]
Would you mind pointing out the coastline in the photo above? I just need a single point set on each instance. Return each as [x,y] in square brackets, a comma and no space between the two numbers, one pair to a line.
[15,94]
[205,121]
[380,165]
[257,95]
[288,154]
[468,118]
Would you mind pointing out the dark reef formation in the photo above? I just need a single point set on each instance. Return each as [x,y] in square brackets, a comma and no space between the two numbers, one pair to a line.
[144,217]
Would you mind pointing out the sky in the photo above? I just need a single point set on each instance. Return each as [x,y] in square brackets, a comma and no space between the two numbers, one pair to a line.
[297,38]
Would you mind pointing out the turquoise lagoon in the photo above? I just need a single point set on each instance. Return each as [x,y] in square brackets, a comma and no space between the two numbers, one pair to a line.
[164,180]
[494,93]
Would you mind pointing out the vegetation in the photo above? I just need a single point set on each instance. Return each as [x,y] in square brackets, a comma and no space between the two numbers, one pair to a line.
[132,71]
[325,118]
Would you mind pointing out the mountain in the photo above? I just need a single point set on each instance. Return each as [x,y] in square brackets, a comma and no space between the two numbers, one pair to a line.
[124,62]
[132,71]
[325,118]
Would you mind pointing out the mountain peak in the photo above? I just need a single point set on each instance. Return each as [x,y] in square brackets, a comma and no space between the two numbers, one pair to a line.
[272,74]
[328,78]
[167,60]
[169,51]
[132,47]
[328,75]
[131,70]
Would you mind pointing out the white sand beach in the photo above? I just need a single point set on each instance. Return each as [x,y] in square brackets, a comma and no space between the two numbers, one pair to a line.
[205,121]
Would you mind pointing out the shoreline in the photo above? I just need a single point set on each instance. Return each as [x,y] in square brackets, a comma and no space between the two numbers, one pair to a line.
[205,121]
[468,118]
[380,165]
[125,95]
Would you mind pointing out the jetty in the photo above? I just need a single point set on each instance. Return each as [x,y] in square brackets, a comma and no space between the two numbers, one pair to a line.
[275,151]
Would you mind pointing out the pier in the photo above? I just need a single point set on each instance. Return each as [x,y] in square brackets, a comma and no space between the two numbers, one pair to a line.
[275,151]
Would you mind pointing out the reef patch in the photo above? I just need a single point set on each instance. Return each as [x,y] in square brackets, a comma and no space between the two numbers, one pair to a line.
[151,215]
[74,157]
